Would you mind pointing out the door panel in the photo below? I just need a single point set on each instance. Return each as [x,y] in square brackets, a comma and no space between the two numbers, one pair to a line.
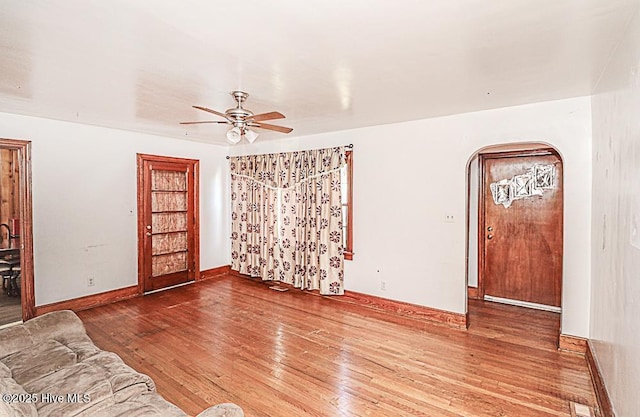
[522,232]
[168,227]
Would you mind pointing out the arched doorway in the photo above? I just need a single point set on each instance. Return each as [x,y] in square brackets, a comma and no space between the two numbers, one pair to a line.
[515,225]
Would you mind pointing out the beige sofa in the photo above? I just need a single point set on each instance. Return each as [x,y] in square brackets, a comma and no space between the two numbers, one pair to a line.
[50,367]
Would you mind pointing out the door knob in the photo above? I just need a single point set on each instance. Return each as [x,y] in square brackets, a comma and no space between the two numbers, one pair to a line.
[148,227]
[490,237]
[490,228]
[148,233]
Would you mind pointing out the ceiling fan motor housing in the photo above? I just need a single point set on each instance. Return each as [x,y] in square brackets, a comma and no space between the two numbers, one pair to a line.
[242,119]
[238,114]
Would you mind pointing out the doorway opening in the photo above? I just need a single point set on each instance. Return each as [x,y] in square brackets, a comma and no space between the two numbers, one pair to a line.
[515,226]
[17,300]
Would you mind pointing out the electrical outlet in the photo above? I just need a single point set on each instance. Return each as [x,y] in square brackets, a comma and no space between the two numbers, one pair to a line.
[448,218]
[91,281]
[383,285]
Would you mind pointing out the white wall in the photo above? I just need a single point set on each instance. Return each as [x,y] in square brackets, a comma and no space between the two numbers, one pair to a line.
[472,253]
[84,203]
[408,175]
[615,291]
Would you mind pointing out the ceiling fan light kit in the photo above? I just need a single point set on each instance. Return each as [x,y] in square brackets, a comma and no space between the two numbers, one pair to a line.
[234,135]
[242,119]
[250,136]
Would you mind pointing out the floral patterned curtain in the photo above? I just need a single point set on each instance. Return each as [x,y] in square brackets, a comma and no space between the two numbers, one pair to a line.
[286,218]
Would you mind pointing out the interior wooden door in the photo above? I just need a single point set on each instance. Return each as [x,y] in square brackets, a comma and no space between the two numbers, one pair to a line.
[521,224]
[168,221]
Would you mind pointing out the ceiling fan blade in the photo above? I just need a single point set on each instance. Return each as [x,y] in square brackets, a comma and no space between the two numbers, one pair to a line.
[281,129]
[267,116]
[210,111]
[206,121]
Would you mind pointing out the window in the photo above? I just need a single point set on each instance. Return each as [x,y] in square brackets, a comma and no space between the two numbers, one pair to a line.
[347,205]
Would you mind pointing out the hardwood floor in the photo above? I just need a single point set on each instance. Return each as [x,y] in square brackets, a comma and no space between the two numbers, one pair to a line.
[10,309]
[297,354]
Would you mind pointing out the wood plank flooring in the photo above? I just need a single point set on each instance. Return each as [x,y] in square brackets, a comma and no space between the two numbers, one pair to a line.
[10,309]
[292,354]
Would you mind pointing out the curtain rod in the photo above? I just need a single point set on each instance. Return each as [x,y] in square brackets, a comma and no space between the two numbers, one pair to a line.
[350,146]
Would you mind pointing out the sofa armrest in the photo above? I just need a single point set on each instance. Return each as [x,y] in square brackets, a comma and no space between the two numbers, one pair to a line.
[57,325]
[222,410]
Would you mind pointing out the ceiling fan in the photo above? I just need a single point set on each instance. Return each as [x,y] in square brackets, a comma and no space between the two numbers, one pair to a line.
[242,119]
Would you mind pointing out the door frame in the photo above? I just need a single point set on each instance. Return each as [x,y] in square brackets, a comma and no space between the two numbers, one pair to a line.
[194,166]
[482,156]
[28,300]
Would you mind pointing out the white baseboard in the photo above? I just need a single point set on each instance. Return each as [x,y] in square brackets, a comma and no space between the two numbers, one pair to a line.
[527,304]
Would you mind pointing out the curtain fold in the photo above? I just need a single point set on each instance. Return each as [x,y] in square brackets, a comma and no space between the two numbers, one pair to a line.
[286,218]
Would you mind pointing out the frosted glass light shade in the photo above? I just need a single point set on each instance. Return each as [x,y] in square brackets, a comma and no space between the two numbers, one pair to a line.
[250,135]
[234,135]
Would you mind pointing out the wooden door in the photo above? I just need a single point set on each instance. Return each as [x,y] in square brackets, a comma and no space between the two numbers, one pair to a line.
[520,227]
[167,221]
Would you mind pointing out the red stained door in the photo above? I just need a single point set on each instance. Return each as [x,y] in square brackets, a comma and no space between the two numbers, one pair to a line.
[521,227]
[168,221]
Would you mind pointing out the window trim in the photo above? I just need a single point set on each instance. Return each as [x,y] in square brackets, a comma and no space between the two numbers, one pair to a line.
[348,250]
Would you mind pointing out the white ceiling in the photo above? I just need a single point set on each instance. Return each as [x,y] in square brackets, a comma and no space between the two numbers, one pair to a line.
[327,65]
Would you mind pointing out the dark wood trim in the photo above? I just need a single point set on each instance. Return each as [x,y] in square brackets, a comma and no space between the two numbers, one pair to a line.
[140,222]
[215,272]
[90,301]
[572,344]
[28,299]
[604,401]
[235,273]
[196,219]
[518,153]
[399,308]
[480,236]
[108,297]
[194,246]
[457,320]
[472,292]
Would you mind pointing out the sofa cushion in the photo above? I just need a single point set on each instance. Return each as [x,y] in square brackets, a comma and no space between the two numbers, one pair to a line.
[103,378]
[5,372]
[39,360]
[125,381]
[14,339]
[63,392]
[50,358]
[15,400]
[82,346]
